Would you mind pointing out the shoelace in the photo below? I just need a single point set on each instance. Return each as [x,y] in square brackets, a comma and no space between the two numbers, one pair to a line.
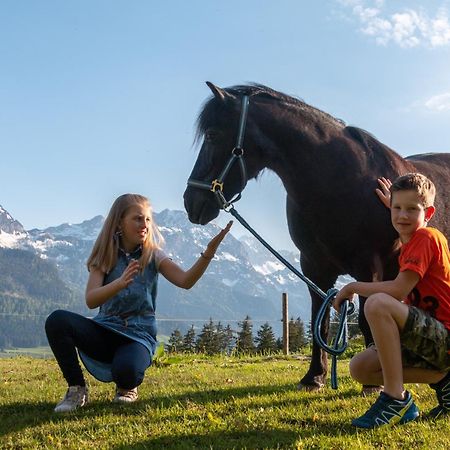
[374,410]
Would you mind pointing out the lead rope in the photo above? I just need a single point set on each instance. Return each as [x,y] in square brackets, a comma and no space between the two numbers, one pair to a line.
[340,342]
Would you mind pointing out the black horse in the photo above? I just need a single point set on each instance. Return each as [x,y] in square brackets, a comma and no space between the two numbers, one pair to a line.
[330,173]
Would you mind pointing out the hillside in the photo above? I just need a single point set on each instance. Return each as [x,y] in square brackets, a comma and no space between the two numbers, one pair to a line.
[243,279]
[30,289]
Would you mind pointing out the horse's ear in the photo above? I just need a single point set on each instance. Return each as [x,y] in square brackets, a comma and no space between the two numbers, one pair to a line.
[219,93]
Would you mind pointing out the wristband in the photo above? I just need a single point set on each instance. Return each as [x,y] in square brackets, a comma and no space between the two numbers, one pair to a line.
[209,258]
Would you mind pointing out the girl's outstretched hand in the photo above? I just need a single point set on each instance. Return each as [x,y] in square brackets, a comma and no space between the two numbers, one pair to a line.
[384,194]
[215,241]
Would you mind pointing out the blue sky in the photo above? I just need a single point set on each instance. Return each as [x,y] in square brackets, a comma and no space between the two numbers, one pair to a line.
[98,98]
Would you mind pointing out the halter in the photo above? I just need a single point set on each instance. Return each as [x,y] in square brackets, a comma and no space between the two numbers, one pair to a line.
[237,154]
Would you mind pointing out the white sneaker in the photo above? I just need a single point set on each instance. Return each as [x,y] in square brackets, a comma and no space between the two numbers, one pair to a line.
[76,396]
[126,395]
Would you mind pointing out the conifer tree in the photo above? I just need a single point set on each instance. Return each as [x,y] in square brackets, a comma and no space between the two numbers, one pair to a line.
[229,340]
[265,339]
[297,338]
[220,337]
[279,343]
[245,338]
[175,341]
[189,340]
[207,341]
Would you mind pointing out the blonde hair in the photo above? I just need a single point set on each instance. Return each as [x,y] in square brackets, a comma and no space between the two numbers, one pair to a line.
[104,252]
[418,183]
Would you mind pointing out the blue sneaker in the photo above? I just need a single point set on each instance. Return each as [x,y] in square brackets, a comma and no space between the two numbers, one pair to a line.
[388,411]
[443,395]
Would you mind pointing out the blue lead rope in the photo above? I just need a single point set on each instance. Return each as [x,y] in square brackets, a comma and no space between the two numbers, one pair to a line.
[340,342]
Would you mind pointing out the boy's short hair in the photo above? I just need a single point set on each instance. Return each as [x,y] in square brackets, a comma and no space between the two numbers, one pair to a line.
[419,183]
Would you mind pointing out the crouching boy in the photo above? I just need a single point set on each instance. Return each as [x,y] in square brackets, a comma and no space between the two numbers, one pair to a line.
[409,316]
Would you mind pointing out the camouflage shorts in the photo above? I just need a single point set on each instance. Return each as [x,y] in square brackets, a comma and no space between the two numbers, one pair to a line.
[425,342]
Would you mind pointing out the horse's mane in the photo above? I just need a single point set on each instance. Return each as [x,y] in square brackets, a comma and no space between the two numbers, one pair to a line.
[211,106]
[255,89]
[375,151]
[368,140]
[212,109]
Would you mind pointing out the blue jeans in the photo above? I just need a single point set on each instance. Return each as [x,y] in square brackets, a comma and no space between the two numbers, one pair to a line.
[67,331]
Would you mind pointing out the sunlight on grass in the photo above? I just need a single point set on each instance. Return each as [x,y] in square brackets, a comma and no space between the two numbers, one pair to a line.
[199,402]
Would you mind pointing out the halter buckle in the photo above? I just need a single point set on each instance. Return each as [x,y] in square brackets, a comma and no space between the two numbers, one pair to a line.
[216,185]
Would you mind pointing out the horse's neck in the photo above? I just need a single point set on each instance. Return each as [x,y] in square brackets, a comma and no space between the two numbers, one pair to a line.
[304,151]
[312,152]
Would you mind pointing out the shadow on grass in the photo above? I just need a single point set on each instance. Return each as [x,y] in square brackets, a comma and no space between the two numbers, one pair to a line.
[251,439]
[220,395]
[18,416]
[220,440]
[15,417]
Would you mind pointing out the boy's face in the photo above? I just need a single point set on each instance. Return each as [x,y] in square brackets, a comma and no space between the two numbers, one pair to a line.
[408,214]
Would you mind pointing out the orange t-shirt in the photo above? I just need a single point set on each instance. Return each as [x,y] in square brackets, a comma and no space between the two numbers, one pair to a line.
[427,254]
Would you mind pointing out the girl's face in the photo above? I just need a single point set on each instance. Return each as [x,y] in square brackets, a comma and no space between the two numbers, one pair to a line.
[134,226]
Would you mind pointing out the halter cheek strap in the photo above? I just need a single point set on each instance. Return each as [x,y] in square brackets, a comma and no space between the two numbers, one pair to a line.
[237,154]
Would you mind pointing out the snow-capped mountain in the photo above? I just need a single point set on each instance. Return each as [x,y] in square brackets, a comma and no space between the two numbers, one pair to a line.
[243,279]
[262,261]
[11,231]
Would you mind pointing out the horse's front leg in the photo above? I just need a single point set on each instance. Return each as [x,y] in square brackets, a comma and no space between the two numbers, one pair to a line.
[315,378]
[319,270]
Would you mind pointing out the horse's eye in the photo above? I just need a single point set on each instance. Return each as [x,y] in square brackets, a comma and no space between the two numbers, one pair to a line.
[211,135]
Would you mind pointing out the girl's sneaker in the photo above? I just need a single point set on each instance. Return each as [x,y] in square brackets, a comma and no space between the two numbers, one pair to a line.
[443,395]
[76,396]
[126,395]
[388,411]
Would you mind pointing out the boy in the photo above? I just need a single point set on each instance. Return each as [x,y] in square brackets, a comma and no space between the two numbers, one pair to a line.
[410,316]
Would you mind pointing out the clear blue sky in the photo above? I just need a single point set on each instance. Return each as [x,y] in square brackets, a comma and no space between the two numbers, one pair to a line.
[98,98]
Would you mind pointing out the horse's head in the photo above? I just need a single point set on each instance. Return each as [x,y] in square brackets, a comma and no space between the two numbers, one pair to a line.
[220,123]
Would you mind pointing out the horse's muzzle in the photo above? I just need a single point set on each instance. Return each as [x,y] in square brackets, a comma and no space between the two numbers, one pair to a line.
[201,206]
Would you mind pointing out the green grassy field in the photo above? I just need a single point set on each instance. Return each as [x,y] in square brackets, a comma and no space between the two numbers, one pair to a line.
[194,402]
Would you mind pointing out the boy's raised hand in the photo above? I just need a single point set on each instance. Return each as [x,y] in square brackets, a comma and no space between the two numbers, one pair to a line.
[346,293]
[384,194]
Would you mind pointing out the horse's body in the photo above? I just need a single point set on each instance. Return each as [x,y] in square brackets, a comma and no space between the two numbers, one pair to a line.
[330,173]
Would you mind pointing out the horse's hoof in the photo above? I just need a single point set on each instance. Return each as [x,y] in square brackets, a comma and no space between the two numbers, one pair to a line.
[370,390]
[309,387]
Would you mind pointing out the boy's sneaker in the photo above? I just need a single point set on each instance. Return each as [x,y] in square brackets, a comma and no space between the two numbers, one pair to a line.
[443,395]
[76,396]
[126,395]
[388,411]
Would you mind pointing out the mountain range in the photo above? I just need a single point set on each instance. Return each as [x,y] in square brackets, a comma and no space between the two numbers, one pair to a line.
[42,270]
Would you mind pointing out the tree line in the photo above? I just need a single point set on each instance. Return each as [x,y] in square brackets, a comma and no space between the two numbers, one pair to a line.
[215,338]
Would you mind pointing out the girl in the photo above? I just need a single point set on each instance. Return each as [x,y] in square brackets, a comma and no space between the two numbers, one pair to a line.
[118,344]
